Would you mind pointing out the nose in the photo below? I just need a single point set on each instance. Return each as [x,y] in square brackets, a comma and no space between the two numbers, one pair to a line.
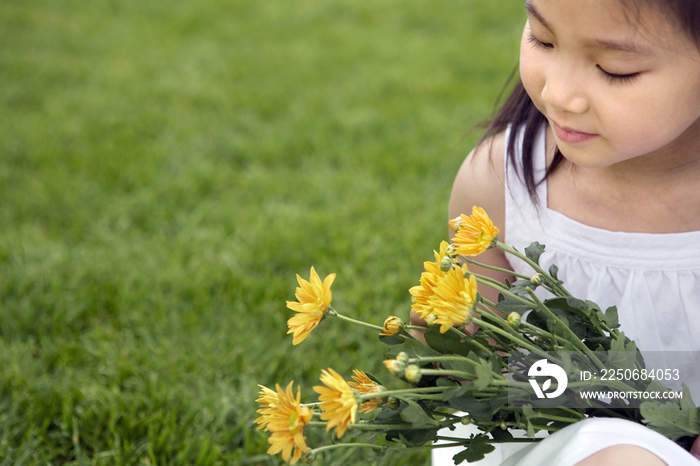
[564,92]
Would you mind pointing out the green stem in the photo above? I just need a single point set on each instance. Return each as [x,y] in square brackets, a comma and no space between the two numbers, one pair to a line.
[438,359]
[573,338]
[456,443]
[552,417]
[415,327]
[368,427]
[491,267]
[522,342]
[344,445]
[554,283]
[473,342]
[498,381]
[401,392]
[510,294]
[333,312]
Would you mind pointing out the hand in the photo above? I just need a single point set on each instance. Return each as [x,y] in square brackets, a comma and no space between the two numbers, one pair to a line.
[695,449]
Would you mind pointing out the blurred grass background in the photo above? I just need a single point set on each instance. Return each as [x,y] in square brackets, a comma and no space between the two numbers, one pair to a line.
[167,167]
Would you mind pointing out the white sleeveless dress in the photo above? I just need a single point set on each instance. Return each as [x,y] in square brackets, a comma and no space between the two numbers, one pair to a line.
[653,279]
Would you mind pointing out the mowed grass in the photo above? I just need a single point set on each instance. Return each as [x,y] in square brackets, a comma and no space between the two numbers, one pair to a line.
[167,167]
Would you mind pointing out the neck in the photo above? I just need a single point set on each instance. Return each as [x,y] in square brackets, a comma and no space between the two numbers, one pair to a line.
[653,193]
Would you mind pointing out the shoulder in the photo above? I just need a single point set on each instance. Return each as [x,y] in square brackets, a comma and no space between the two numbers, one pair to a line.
[481,182]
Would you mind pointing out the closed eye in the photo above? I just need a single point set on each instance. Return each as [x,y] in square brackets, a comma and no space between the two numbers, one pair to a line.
[536,42]
[618,78]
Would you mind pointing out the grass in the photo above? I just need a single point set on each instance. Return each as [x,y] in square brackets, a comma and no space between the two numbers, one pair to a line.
[166,170]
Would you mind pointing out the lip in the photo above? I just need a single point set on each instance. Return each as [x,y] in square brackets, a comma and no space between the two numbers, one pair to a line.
[571,136]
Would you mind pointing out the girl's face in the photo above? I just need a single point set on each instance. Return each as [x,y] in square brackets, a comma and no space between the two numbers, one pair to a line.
[612,89]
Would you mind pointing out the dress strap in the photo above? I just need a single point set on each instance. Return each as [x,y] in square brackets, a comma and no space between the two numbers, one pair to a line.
[523,214]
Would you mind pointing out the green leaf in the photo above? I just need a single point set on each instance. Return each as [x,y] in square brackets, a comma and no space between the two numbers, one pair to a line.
[611,317]
[509,304]
[412,437]
[554,271]
[390,416]
[415,415]
[392,340]
[534,251]
[569,305]
[529,414]
[501,435]
[687,401]
[413,348]
[484,375]
[622,343]
[481,409]
[456,391]
[673,420]
[477,448]
[520,287]
[450,342]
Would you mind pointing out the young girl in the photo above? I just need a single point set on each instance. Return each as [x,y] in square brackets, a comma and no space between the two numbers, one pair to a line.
[597,155]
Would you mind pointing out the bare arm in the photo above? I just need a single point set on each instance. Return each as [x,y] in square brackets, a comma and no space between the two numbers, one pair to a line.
[480,182]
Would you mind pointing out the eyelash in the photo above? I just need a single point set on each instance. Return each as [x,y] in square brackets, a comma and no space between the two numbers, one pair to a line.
[610,77]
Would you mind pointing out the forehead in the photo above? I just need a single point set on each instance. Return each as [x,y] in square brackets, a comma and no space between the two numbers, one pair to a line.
[610,24]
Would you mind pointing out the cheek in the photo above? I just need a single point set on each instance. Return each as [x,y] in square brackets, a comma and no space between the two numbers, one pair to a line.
[531,74]
[655,122]
[531,77]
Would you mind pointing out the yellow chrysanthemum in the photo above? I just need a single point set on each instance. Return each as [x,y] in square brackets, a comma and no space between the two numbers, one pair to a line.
[268,401]
[285,418]
[473,234]
[421,294]
[392,326]
[364,385]
[454,299]
[313,298]
[338,402]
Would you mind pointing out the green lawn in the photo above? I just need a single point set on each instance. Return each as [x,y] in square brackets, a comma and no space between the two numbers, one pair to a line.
[167,167]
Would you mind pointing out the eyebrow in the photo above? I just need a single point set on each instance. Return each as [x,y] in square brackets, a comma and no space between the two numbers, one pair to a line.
[612,45]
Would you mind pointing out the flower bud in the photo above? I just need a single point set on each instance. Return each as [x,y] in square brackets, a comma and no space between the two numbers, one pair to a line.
[392,326]
[456,223]
[412,373]
[514,319]
[465,420]
[393,402]
[451,250]
[396,367]
[308,457]
[402,357]
[446,264]
[537,279]
[504,426]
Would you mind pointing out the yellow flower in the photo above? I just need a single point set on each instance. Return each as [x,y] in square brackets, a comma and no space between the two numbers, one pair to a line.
[474,234]
[338,402]
[454,299]
[392,326]
[285,418]
[313,298]
[421,294]
[364,385]
[268,400]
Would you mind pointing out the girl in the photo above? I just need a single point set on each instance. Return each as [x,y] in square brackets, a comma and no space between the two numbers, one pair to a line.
[597,155]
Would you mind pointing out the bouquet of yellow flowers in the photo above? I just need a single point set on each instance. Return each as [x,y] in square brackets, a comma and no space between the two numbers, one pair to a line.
[533,364]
